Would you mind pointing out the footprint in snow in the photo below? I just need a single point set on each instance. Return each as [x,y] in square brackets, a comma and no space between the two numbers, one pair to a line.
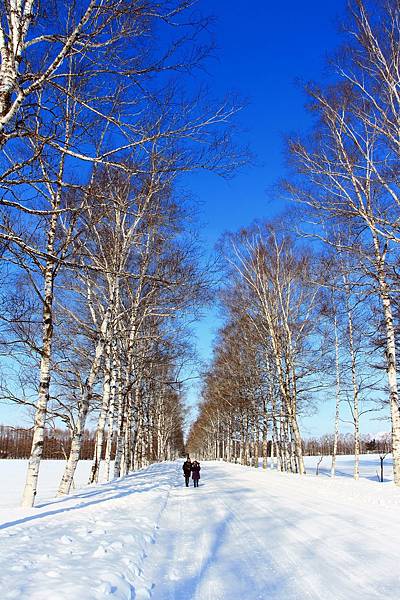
[114,583]
[65,539]
[104,523]
[99,552]
[105,589]
[20,568]
[100,532]
[53,574]
[175,575]
[143,593]
[132,566]
[83,531]
[116,546]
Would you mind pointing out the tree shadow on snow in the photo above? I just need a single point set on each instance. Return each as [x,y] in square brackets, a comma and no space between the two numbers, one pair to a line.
[135,483]
[326,472]
[214,559]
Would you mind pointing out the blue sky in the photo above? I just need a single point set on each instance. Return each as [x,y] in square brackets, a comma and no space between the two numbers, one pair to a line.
[264,50]
[263,55]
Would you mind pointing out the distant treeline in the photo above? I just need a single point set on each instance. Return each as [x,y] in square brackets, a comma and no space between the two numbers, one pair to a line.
[16,442]
[324,444]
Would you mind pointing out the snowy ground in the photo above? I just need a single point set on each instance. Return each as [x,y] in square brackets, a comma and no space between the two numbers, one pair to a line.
[370,466]
[13,473]
[244,534]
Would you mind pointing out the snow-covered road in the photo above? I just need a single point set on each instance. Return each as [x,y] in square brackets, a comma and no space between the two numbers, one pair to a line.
[242,535]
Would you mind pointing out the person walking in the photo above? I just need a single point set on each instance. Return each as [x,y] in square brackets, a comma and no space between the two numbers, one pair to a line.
[187,468]
[196,473]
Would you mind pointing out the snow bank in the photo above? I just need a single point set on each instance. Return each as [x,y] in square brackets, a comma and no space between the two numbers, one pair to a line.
[87,546]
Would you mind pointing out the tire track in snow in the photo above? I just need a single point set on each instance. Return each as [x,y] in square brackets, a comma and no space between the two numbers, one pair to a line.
[297,591]
[171,524]
[143,587]
[179,565]
[292,530]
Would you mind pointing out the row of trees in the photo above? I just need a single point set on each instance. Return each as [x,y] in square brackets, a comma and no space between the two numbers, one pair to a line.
[302,329]
[99,269]
[302,318]
[16,443]
[323,446]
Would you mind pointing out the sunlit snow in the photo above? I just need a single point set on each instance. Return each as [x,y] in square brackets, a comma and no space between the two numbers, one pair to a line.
[243,534]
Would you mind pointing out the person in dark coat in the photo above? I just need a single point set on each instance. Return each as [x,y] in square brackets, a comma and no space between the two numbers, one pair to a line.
[196,473]
[187,468]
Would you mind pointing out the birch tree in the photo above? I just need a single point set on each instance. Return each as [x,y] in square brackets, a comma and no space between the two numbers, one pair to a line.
[343,178]
[264,367]
[94,69]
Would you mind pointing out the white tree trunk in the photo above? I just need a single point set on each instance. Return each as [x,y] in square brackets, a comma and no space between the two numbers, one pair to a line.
[69,472]
[265,439]
[74,455]
[101,423]
[337,404]
[32,475]
[111,418]
[353,360]
[390,362]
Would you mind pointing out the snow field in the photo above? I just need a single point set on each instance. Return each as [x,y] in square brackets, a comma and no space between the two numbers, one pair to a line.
[370,466]
[244,534]
[90,545]
[13,473]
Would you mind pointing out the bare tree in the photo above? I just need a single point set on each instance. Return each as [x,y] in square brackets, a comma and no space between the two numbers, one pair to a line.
[81,98]
[347,175]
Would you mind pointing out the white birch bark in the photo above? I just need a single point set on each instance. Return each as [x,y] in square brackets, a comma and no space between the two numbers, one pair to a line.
[337,400]
[265,438]
[84,405]
[31,483]
[390,359]
[353,363]
[101,423]
[111,417]
[121,424]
